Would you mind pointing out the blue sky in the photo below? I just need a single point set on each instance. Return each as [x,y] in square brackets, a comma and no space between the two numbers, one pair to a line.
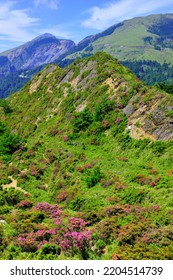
[22,20]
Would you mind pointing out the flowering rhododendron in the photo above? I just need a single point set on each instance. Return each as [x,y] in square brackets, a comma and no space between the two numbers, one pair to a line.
[118,120]
[70,234]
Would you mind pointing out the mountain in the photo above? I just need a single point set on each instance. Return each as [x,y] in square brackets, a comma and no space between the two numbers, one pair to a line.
[42,50]
[17,66]
[144,44]
[85,171]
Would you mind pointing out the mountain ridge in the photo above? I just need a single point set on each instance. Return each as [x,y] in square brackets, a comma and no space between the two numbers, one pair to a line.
[134,106]
[18,65]
[136,43]
[151,24]
[85,166]
[144,44]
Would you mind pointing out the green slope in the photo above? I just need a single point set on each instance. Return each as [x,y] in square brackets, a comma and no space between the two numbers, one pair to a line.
[77,163]
[137,39]
[144,40]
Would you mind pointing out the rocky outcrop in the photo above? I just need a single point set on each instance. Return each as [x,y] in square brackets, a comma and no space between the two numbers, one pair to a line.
[150,115]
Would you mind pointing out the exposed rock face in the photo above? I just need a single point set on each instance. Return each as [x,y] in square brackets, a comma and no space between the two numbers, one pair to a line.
[150,115]
[42,50]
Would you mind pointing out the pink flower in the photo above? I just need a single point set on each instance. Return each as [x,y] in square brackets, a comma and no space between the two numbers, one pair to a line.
[118,120]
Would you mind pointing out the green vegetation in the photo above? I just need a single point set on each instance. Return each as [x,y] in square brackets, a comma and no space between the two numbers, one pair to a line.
[144,44]
[14,81]
[9,142]
[165,87]
[152,72]
[85,188]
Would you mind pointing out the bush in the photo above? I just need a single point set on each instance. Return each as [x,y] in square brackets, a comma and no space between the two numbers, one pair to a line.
[103,108]
[10,197]
[4,104]
[119,124]
[48,251]
[9,143]
[158,147]
[93,177]
[82,120]
[76,204]
[132,195]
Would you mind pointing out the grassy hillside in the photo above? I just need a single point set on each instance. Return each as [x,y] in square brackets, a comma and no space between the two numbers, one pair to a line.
[142,38]
[138,43]
[77,185]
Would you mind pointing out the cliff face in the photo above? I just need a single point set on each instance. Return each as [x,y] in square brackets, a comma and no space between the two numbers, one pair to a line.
[150,115]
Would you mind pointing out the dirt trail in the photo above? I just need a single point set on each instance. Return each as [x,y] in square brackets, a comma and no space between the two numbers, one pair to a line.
[13,184]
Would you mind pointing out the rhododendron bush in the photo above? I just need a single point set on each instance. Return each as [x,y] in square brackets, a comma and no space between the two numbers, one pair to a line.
[70,234]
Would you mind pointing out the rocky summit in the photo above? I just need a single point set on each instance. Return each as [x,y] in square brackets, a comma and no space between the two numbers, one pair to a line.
[19,65]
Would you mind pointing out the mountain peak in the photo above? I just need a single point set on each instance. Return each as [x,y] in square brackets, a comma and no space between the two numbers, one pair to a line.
[43,36]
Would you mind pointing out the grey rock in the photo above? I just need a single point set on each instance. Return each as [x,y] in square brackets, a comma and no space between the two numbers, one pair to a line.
[42,50]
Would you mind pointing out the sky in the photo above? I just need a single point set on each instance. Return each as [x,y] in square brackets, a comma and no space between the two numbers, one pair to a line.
[23,20]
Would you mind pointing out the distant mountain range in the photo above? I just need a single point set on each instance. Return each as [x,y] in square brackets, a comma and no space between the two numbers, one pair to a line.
[144,44]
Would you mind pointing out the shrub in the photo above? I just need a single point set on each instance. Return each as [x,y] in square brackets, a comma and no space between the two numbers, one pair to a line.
[24,204]
[143,180]
[103,108]
[11,197]
[120,124]
[9,143]
[4,104]
[47,249]
[132,195]
[82,120]
[158,147]
[76,204]
[13,170]
[93,177]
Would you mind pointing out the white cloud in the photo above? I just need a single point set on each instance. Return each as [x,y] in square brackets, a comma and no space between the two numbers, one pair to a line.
[103,17]
[52,4]
[15,23]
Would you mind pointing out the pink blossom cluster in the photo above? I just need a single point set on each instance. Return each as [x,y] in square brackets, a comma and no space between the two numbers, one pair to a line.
[54,132]
[24,204]
[118,120]
[70,234]
[105,123]
[120,106]
[75,239]
[52,210]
